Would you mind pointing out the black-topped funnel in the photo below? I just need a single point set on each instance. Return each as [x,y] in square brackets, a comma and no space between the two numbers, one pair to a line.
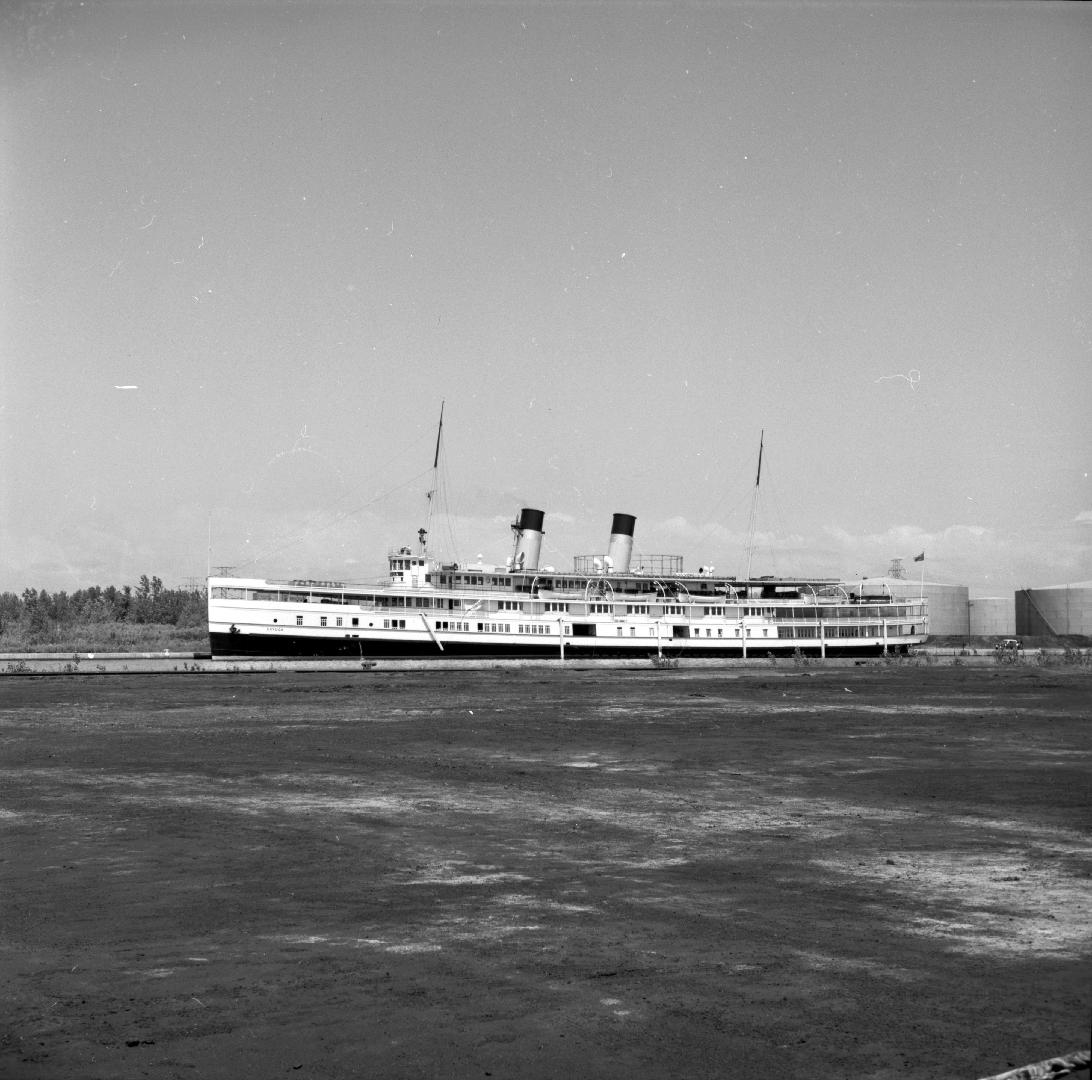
[528,530]
[620,548]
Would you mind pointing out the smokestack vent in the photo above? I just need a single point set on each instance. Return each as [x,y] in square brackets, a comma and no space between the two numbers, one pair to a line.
[620,548]
[528,531]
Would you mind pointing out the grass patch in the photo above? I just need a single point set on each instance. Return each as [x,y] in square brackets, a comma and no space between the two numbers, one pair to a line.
[106,637]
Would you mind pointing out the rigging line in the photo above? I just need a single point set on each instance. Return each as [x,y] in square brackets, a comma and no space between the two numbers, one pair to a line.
[772,508]
[443,501]
[719,520]
[309,529]
[381,470]
[449,514]
[768,508]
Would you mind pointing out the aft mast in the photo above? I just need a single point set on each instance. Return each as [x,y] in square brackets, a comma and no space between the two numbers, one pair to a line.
[753,522]
[423,534]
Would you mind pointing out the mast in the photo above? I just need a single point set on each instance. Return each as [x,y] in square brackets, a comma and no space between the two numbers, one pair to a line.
[422,534]
[753,522]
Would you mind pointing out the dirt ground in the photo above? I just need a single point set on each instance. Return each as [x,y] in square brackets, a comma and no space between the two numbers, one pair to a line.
[538,873]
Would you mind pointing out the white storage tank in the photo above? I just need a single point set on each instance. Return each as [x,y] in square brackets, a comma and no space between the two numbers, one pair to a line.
[1055,610]
[949,605]
[992,616]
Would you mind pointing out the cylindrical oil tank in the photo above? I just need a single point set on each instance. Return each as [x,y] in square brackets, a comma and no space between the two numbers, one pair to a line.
[528,530]
[992,616]
[1055,609]
[949,609]
[949,605]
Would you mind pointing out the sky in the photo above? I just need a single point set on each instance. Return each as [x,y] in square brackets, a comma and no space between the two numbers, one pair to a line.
[249,250]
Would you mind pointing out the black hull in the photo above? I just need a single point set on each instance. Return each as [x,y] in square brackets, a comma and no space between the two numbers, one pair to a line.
[254,646]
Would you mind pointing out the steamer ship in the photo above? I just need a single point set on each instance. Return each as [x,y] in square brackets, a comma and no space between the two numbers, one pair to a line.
[608,605]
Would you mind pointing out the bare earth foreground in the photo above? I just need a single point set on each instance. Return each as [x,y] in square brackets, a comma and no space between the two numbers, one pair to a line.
[858,873]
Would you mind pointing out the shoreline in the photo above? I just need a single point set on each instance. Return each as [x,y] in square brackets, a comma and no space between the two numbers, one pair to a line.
[167,662]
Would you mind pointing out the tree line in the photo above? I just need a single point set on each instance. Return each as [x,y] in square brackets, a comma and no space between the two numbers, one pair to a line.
[38,611]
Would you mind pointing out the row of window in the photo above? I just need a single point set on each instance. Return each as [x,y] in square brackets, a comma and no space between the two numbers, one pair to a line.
[809,613]
[460,581]
[736,613]
[789,631]
[785,631]
[854,631]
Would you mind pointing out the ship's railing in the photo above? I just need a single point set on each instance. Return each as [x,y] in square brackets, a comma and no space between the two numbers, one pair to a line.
[653,565]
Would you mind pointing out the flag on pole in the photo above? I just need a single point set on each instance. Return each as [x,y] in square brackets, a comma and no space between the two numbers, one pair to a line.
[920,558]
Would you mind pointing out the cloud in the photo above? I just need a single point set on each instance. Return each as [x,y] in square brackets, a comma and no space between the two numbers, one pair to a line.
[1084,517]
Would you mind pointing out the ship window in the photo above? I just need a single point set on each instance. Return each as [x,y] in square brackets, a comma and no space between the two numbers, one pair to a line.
[299,620]
[356,622]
